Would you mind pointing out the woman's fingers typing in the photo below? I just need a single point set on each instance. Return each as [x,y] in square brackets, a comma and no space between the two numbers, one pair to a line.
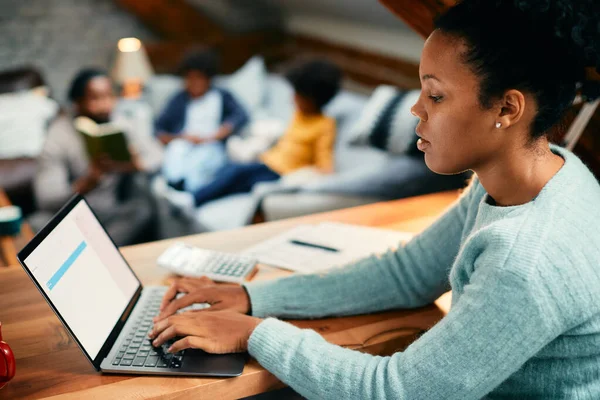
[217,332]
[203,290]
[183,302]
[182,285]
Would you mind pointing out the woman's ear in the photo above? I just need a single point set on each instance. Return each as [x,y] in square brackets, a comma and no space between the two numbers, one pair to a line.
[512,108]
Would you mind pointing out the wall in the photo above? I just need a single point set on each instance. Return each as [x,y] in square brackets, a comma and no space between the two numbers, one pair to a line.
[399,43]
[363,24]
[368,12]
[61,36]
[242,16]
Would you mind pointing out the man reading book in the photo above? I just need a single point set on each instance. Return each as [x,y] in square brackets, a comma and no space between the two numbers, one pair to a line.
[115,189]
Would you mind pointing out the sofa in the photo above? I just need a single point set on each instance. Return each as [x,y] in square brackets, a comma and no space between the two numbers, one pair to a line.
[363,174]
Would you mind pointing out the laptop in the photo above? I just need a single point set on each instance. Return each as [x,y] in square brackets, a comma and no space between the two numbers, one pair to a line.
[101,302]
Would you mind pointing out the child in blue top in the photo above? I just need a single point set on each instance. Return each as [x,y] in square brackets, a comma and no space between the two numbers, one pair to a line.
[196,123]
[520,250]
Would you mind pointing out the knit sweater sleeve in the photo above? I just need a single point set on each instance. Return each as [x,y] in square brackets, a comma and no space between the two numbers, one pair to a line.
[409,277]
[499,322]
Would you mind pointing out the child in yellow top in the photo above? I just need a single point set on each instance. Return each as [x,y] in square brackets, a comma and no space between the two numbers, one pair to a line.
[308,141]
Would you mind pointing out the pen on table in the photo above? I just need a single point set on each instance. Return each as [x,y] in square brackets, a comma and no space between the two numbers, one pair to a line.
[313,245]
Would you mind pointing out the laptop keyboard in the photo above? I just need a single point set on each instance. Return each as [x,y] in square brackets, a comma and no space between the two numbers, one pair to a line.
[137,350]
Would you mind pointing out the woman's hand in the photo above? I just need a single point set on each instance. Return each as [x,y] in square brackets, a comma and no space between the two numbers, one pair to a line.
[218,332]
[203,290]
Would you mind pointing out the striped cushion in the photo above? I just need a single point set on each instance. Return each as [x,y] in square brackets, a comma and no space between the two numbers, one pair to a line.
[386,122]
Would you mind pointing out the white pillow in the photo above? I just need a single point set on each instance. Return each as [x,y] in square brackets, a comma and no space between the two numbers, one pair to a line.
[247,84]
[23,123]
[386,121]
[260,135]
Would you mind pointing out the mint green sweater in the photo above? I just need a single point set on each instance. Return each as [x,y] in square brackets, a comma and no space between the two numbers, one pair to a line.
[525,316]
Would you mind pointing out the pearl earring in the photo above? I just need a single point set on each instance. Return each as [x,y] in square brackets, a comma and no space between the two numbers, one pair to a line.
[498,125]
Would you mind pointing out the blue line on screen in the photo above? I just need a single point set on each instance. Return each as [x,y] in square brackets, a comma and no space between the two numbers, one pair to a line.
[66,265]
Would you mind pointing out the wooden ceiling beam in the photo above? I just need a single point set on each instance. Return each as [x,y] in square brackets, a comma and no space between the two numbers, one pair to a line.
[418,14]
[174,20]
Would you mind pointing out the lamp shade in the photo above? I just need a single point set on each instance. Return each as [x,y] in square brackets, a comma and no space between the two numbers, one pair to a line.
[132,62]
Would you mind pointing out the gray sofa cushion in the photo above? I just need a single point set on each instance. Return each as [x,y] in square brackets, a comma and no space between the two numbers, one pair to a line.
[287,205]
[229,212]
[388,177]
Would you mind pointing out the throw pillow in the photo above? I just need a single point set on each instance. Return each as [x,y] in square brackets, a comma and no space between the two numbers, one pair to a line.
[386,122]
[23,122]
[247,84]
[260,135]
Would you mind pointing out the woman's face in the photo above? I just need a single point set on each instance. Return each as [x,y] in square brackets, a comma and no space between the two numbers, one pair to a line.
[456,133]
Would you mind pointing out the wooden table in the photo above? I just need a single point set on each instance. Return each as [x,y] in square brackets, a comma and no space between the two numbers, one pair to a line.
[50,364]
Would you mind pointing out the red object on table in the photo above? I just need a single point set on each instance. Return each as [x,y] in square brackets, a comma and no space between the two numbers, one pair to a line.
[7,362]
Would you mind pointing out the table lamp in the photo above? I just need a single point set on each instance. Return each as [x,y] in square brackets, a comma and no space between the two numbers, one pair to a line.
[132,67]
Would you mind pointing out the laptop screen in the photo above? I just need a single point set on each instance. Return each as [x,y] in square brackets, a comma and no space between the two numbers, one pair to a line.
[84,276]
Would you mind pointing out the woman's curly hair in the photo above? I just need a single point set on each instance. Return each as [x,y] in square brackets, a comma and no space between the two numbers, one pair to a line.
[541,47]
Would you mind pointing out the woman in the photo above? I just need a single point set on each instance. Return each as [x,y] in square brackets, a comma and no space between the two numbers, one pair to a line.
[520,249]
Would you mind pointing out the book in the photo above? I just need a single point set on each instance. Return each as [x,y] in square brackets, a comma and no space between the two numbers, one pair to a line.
[106,138]
[317,248]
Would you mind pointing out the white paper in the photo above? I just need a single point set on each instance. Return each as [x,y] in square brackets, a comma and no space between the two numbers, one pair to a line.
[352,242]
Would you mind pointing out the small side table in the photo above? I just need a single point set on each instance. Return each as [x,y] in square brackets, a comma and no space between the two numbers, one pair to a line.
[10,245]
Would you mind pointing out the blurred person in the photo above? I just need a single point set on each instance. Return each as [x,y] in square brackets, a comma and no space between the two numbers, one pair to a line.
[307,142]
[116,191]
[196,123]
[519,249]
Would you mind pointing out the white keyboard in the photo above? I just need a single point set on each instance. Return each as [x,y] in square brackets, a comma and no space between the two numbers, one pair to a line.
[192,261]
